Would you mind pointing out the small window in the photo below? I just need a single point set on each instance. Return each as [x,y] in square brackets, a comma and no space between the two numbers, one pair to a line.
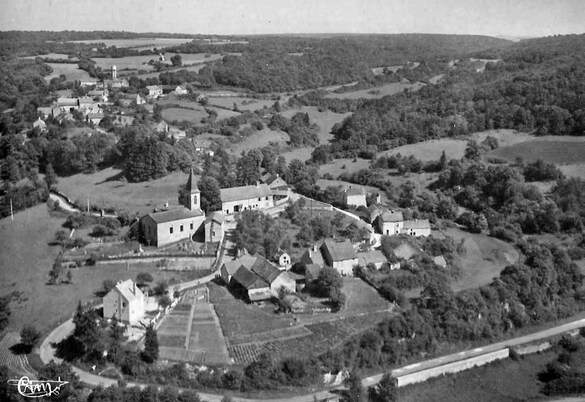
[266,198]
[123,304]
[191,226]
[171,230]
[181,228]
[213,233]
[259,198]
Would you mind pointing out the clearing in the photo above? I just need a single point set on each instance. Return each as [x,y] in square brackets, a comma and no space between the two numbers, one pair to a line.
[26,259]
[106,188]
[378,92]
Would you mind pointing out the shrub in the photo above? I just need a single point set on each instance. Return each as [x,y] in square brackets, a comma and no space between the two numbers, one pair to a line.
[29,335]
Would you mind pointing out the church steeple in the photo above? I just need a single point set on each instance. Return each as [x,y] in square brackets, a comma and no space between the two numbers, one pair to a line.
[192,192]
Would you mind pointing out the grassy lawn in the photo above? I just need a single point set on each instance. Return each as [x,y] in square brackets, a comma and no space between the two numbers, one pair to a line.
[179,114]
[26,259]
[485,257]
[362,298]
[105,189]
[378,92]
[504,381]
[576,170]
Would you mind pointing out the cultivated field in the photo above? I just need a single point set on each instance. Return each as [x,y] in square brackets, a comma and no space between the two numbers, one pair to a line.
[106,188]
[71,71]
[378,92]
[180,114]
[26,259]
[191,332]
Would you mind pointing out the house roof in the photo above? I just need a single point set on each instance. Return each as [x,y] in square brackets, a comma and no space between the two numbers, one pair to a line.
[417,224]
[371,257]
[313,257]
[312,270]
[295,277]
[265,270]
[216,216]
[128,290]
[440,261]
[392,216]
[355,191]
[174,215]
[67,101]
[245,260]
[153,88]
[249,279]
[406,251]
[340,251]
[245,192]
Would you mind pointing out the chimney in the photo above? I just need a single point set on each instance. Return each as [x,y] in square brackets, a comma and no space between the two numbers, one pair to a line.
[278,175]
[315,248]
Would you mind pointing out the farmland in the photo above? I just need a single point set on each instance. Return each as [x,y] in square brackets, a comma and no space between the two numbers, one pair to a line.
[560,150]
[252,330]
[106,188]
[180,114]
[141,62]
[249,104]
[378,92]
[143,43]
[257,140]
[71,71]
[26,258]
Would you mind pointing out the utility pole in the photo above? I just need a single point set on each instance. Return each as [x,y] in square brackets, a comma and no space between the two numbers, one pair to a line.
[88,205]
[11,211]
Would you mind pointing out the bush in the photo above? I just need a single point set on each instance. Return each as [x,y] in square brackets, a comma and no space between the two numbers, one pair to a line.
[29,335]
[108,285]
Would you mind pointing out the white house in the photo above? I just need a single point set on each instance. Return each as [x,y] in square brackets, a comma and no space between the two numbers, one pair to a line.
[390,222]
[125,302]
[179,90]
[237,199]
[340,255]
[355,196]
[417,228]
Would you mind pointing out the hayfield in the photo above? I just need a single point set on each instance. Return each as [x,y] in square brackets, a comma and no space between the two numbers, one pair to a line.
[180,114]
[223,113]
[560,150]
[105,188]
[26,259]
[71,71]
[378,92]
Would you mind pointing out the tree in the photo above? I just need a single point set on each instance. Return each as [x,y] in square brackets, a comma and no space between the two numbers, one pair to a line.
[61,237]
[385,391]
[108,285]
[165,301]
[328,281]
[472,151]
[29,335]
[150,352]
[356,391]
[4,312]
[143,278]
[210,194]
[161,288]
[50,177]
[177,60]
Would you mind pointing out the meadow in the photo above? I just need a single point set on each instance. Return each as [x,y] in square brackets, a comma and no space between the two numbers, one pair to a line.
[71,71]
[180,114]
[242,103]
[106,188]
[141,62]
[378,92]
[26,259]
[257,140]
[559,150]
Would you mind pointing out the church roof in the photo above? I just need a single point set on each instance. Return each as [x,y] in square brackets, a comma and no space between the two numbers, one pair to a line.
[192,183]
[175,215]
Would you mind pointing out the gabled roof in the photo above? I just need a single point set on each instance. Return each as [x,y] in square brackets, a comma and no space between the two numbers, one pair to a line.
[174,215]
[265,270]
[67,101]
[245,192]
[245,260]
[371,257]
[392,216]
[417,224]
[129,290]
[313,257]
[355,191]
[312,270]
[406,251]
[215,216]
[249,279]
[340,251]
[153,88]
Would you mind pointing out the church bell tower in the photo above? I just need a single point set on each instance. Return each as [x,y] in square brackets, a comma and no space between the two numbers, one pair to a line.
[191,196]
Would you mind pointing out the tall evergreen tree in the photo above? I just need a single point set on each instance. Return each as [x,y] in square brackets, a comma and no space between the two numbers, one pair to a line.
[150,353]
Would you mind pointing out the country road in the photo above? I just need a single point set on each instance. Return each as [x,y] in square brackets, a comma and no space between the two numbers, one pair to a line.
[47,354]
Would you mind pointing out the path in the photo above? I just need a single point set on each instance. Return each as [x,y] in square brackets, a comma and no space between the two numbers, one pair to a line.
[67,206]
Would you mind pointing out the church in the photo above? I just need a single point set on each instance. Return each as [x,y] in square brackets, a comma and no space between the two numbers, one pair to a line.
[166,227]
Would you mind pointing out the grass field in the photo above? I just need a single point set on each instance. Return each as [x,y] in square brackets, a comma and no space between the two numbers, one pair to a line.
[325,120]
[485,257]
[258,140]
[576,170]
[138,42]
[26,259]
[180,114]
[561,151]
[504,381]
[223,113]
[71,71]
[378,92]
[105,189]
[242,103]
[336,167]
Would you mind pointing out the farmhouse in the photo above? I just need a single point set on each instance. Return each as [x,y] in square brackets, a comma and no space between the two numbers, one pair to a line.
[440,261]
[276,278]
[390,222]
[280,189]
[125,302]
[154,91]
[284,261]
[374,257]
[162,127]
[179,90]
[256,288]
[165,227]
[339,255]
[237,199]
[417,227]
[355,196]
[312,272]
[262,280]
[313,256]
[228,268]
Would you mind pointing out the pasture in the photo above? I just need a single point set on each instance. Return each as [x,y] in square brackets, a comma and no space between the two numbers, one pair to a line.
[180,114]
[325,120]
[106,188]
[223,113]
[345,165]
[242,103]
[560,150]
[378,92]
[26,259]
[141,62]
[257,140]
[71,71]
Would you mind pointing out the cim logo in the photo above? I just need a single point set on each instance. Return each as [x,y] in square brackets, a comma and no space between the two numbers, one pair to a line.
[36,388]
